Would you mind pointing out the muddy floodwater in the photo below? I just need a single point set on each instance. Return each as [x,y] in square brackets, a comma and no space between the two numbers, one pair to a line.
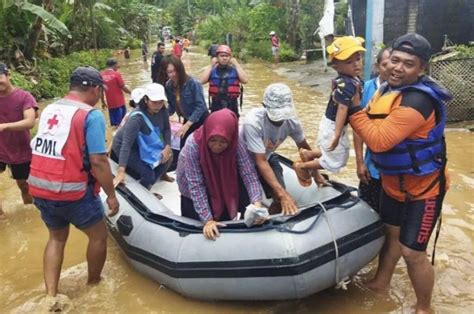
[123,290]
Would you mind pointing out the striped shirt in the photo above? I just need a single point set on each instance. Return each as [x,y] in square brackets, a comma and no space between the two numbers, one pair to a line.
[191,179]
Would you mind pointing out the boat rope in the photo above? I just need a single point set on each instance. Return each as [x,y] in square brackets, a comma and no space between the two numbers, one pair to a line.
[340,283]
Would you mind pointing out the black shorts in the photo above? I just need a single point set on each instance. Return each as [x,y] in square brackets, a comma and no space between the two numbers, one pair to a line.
[274,162]
[370,193]
[416,219]
[19,171]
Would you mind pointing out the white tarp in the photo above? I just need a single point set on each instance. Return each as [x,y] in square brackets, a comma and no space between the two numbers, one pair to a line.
[326,25]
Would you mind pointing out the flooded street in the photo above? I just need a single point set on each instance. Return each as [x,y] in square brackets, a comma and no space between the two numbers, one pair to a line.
[124,290]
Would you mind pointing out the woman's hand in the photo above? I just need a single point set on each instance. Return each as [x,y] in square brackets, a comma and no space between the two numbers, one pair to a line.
[166,154]
[334,143]
[183,129]
[120,177]
[210,230]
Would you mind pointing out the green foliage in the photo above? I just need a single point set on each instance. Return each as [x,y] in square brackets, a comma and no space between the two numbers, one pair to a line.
[264,18]
[464,51]
[51,78]
[259,49]
[287,53]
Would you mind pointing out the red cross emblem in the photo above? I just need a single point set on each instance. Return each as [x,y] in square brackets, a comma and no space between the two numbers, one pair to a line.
[53,122]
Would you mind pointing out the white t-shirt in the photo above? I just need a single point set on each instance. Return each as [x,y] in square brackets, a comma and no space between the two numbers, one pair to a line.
[262,137]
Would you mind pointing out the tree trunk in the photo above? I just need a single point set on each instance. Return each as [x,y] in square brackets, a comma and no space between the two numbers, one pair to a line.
[294,14]
[35,33]
[94,37]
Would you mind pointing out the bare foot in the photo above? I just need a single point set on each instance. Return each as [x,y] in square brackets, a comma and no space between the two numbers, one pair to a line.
[320,180]
[306,155]
[167,178]
[304,177]
[376,287]
[423,311]
[93,281]
[27,199]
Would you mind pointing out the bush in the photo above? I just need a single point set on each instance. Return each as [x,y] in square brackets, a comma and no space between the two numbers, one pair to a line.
[259,49]
[51,78]
[287,53]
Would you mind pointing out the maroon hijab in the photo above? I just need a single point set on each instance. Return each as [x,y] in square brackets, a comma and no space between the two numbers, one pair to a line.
[220,170]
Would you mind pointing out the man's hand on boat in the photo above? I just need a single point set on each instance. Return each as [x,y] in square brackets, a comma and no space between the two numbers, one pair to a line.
[288,204]
[119,177]
[113,204]
[211,230]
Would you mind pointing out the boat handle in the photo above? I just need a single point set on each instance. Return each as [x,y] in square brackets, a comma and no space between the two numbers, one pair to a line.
[125,225]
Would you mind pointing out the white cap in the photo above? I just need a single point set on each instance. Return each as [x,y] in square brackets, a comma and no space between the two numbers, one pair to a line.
[278,101]
[155,92]
[272,33]
[137,94]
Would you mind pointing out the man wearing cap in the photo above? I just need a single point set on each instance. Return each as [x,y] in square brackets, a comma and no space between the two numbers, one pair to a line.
[142,146]
[224,77]
[275,47]
[114,92]
[68,168]
[403,126]
[264,129]
[17,117]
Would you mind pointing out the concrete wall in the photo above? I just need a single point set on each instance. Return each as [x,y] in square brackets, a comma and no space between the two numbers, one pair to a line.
[434,19]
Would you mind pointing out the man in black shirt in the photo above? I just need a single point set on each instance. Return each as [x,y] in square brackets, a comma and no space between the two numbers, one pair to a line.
[156,61]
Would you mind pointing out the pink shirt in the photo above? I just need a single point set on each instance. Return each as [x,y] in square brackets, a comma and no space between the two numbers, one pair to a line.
[15,145]
[275,41]
[113,94]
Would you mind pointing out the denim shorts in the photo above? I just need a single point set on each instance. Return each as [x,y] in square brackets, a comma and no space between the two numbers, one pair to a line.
[82,213]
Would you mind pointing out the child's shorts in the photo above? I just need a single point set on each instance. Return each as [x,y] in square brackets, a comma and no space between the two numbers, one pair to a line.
[335,160]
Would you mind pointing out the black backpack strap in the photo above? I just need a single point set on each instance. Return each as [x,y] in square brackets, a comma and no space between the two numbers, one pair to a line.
[442,192]
[241,96]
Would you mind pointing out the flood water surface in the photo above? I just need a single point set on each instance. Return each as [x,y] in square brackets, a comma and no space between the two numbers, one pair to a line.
[124,290]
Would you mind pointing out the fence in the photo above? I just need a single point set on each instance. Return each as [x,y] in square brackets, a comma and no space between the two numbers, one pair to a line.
[456,75]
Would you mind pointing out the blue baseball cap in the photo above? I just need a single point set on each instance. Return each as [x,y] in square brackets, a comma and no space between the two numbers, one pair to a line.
[3,68]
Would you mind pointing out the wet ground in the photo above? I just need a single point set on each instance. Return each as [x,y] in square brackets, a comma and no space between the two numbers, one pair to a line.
[123,290]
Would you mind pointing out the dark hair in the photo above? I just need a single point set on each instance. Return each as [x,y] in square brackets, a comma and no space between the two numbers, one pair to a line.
[160,44]
[132,104]
[142,103]
[378,58]
[162,75]
[180,71]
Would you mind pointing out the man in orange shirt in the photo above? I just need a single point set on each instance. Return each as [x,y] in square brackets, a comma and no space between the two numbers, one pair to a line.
[404,127]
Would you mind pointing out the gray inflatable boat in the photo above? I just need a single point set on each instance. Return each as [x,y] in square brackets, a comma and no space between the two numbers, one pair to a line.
[334,235]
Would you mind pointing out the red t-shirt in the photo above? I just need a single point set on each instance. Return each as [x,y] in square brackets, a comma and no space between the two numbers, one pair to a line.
[178,50]
[275,41]
[114,82]
[15,145]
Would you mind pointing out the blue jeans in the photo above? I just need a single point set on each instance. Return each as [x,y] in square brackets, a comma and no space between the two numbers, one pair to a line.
[145,173]
[83,213]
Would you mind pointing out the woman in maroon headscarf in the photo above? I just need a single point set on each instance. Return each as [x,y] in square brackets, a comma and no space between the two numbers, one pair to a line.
[215,175]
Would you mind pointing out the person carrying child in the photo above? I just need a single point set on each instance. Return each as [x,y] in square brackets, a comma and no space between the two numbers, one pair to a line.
[333,141]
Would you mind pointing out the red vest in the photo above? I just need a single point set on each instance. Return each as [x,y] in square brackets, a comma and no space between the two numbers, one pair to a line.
[57,167]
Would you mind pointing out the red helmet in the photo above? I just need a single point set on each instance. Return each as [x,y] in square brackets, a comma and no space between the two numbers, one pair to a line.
[223,49]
